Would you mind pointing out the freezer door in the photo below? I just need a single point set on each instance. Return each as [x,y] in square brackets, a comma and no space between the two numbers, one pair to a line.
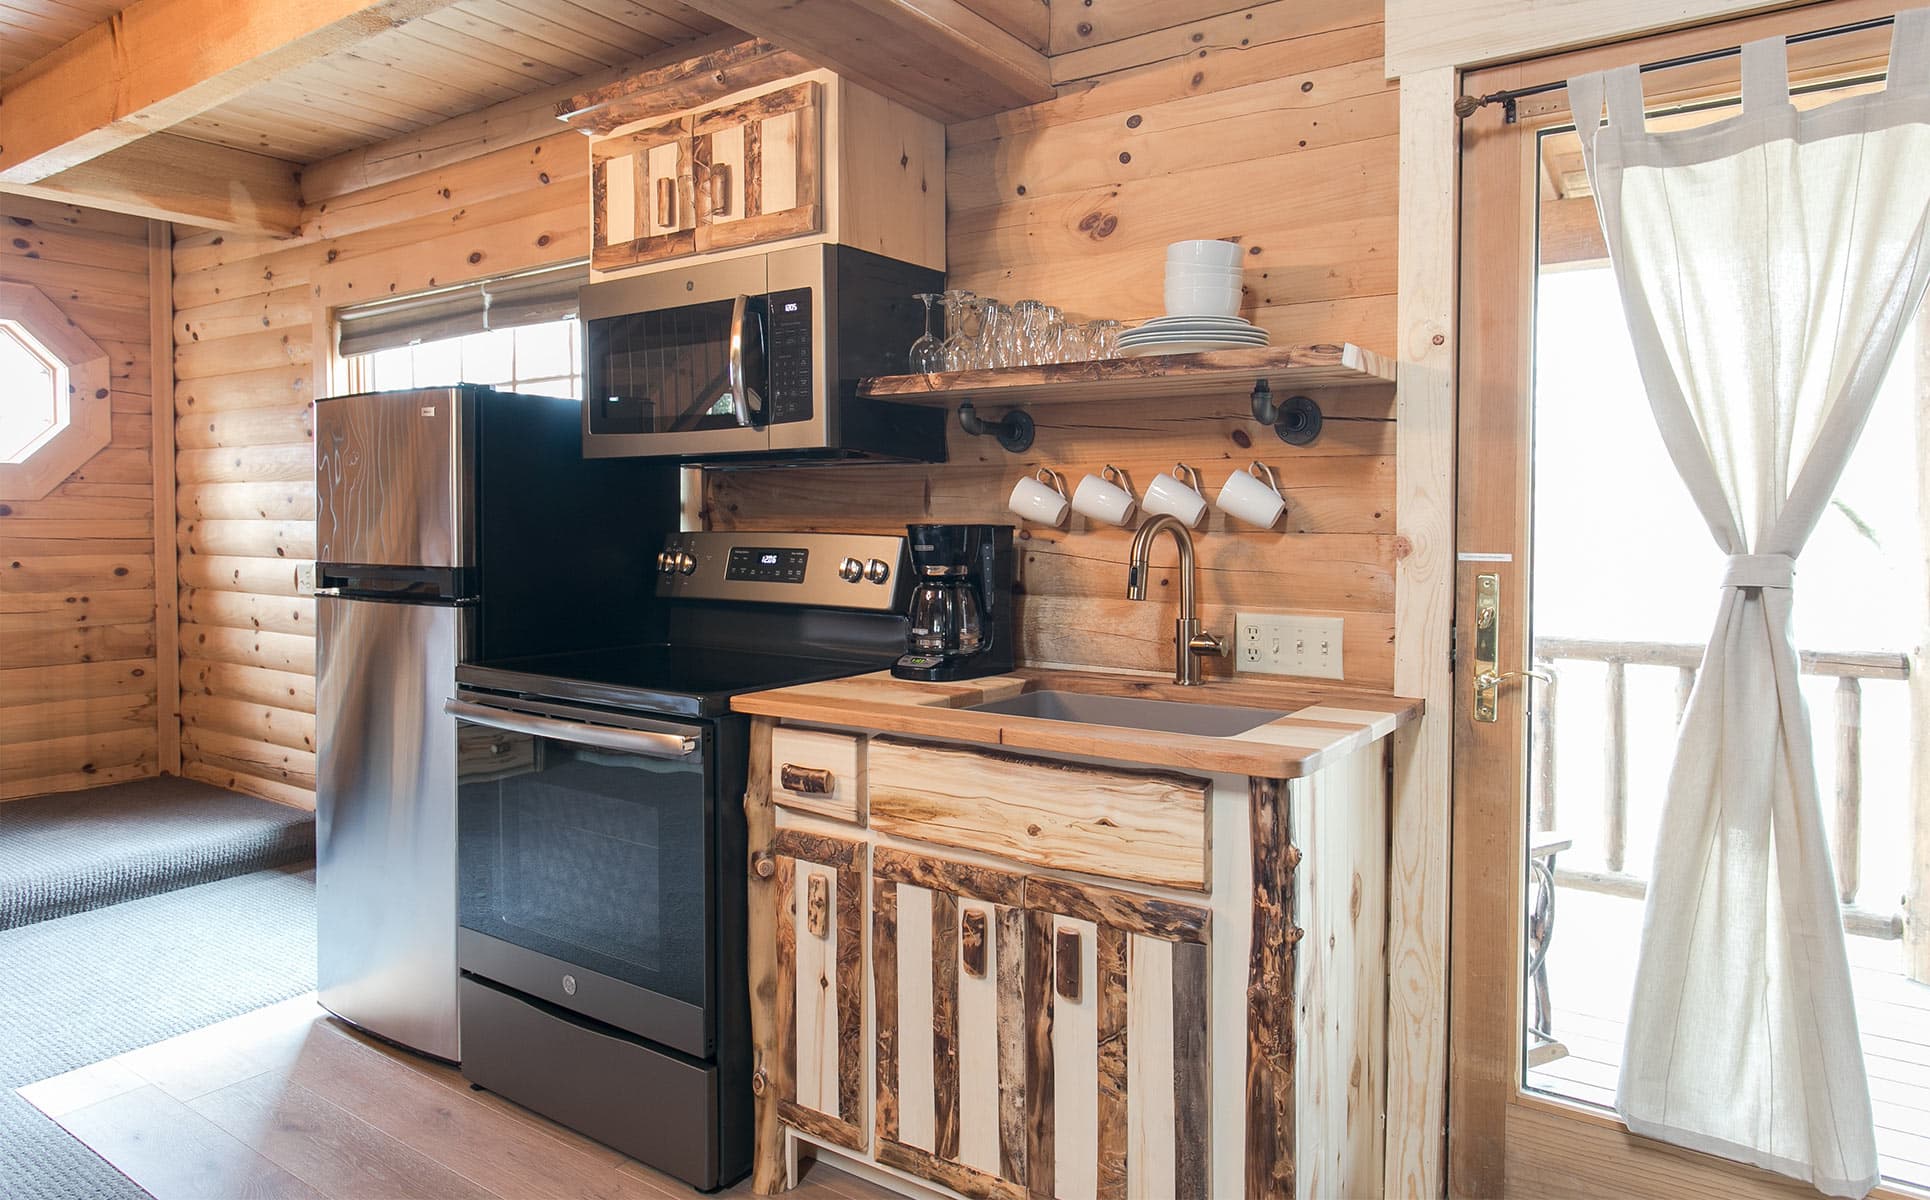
[393,479]
[385,828]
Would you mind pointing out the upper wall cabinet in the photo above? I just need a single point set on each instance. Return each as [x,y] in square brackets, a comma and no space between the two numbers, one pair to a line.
[806,159]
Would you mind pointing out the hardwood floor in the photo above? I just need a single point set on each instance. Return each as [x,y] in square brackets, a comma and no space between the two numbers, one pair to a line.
[286,1102]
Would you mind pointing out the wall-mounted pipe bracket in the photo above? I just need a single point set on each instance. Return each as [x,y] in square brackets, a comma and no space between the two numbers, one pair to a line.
[1297,422]
[1014,430]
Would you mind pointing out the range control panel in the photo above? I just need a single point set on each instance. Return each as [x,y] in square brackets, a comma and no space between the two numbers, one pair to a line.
[822,570]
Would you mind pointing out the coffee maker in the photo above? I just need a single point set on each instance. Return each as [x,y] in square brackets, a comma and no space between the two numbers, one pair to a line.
[959,625]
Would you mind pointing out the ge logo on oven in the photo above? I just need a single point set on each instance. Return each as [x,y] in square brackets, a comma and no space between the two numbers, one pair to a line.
[569,985]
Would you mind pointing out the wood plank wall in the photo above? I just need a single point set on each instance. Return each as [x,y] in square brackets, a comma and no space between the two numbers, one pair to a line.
[77,633]
[1285,141]
[1271,124]
[478,196]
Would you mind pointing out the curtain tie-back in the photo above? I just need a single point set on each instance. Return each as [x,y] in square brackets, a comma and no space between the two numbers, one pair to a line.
[1759,571]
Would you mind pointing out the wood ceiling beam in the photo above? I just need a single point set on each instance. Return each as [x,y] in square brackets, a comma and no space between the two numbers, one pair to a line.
[159,62]
[172,178]
[937,57]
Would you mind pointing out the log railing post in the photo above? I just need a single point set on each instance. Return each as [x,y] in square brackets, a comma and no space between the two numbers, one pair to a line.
[1916,918]
[1543,781]
[1615,765]
[1846,846]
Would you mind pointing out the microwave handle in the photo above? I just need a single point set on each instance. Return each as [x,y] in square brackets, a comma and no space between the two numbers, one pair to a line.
[603,737]
[739,386]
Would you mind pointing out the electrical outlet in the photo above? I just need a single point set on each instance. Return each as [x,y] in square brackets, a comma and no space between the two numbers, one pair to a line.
[305,578]
[1286,644]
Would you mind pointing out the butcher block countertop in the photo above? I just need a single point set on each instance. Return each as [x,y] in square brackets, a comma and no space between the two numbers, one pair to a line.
[1324,723]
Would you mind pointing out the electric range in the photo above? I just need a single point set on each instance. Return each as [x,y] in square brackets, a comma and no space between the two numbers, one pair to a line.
[602,843]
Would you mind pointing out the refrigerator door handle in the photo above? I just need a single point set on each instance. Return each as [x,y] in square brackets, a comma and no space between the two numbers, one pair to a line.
[603,737]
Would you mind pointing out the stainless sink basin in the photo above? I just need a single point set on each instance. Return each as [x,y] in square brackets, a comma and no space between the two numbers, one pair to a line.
[1172,716]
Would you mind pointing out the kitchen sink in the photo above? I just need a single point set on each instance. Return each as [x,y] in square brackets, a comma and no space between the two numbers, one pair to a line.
[1171,716]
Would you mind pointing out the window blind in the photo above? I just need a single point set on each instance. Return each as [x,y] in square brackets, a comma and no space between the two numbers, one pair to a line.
[528,298]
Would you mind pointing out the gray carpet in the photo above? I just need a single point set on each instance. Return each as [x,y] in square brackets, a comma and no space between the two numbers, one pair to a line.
[73,851]
[86,987]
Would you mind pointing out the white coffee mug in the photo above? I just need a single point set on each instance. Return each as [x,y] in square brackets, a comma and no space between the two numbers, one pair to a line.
[1166,494]
[1040,497]
[1253,497]
[1105,497]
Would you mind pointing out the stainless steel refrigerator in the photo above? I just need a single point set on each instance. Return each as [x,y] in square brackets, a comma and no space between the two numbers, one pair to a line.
[451,523]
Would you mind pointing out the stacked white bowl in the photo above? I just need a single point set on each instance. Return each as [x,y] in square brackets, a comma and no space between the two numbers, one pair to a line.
[1203,279]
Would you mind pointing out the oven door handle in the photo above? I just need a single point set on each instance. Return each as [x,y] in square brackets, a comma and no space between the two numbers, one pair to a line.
[603,737]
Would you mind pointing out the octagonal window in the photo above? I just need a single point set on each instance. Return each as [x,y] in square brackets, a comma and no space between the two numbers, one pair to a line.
[33,393]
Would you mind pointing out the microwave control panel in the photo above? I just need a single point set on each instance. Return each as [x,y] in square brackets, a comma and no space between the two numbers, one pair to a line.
[790,356]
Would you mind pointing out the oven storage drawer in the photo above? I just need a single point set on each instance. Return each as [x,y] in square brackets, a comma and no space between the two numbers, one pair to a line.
[652,1106]
[816,771]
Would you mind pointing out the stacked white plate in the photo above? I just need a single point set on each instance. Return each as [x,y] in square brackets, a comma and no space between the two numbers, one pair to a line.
[1191,335]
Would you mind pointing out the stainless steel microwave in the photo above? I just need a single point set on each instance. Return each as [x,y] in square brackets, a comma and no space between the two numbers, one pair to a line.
[756,358]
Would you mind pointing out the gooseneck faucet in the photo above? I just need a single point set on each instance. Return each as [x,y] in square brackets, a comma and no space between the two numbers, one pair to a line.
[1188,642]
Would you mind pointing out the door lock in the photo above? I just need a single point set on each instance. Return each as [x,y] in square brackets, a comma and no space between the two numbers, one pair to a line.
[1487,640]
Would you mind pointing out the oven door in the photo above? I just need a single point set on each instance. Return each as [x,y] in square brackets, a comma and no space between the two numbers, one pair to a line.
[587,857]
[674,363]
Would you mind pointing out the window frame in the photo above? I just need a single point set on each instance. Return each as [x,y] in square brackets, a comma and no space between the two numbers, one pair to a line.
[88,402]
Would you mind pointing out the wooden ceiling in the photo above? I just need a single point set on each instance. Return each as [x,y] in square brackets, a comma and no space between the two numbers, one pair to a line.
[31,28]
[467,56]
[206,112]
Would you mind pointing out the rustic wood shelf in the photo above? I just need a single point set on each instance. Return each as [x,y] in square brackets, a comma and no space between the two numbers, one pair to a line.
[1228,373]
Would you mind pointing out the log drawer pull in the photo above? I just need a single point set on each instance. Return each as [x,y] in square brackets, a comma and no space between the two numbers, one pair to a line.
[817,906]
[806,781]
[1066,954]
[667,202]
[720,189]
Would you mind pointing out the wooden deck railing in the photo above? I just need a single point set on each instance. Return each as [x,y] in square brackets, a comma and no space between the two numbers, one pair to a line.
[1848,668]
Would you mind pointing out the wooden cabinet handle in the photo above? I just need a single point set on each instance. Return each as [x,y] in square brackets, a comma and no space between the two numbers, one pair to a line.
[1066,954]
[817,906]
[808,781]
[720,189]
[667,202]
[764,865]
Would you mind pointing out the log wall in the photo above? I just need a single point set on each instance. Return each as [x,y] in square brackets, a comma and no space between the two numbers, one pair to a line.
[1274,126]
[1271,124]
[77,567]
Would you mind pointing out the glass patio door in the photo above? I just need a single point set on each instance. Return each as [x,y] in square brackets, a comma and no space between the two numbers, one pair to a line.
[1587,583]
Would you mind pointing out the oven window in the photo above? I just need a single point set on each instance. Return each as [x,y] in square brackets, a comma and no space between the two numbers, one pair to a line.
[669,371]
[589,856]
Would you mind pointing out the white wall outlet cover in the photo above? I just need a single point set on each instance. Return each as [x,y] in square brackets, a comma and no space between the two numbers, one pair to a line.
[1288,644]
[305,578]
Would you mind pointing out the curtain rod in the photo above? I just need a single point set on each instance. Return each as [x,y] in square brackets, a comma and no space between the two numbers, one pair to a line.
[1466,106]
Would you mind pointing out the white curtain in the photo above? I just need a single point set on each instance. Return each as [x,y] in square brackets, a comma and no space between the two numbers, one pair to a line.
[1768,265]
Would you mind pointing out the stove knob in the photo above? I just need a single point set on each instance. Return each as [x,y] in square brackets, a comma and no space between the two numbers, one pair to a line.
[877,570]
[851,570]
[686,562]
[663,561]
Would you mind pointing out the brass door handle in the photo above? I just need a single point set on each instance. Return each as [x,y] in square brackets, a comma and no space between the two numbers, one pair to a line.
[1488,676]
[1489,679]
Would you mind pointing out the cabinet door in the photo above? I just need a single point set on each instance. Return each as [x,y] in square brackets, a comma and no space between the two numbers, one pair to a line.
[643,196]
[757,169]
[820,998]
[1116,1003]
[948,964]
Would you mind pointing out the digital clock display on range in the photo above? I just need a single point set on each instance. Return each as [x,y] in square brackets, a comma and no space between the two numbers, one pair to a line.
[766,564]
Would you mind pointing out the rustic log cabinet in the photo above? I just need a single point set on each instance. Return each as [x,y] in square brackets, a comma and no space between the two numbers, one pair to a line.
[1081,1025]
[809,158]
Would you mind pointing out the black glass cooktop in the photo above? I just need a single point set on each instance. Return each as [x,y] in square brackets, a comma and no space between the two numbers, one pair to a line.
[686,680]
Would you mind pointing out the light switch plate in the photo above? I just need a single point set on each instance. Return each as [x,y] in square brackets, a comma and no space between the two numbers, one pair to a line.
[1288,644]
[305,578]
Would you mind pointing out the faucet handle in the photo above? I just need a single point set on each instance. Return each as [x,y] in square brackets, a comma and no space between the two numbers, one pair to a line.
[1206,643]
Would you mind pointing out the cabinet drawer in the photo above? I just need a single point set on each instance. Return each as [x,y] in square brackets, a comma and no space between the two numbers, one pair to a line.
[818,772]
[1144,826]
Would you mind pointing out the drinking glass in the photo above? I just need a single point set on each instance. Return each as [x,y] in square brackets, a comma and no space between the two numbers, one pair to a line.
[961,328]
[925,354]
[1103,338]
[1053,349]
[1029,334]
[995,321]
[1073,346]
